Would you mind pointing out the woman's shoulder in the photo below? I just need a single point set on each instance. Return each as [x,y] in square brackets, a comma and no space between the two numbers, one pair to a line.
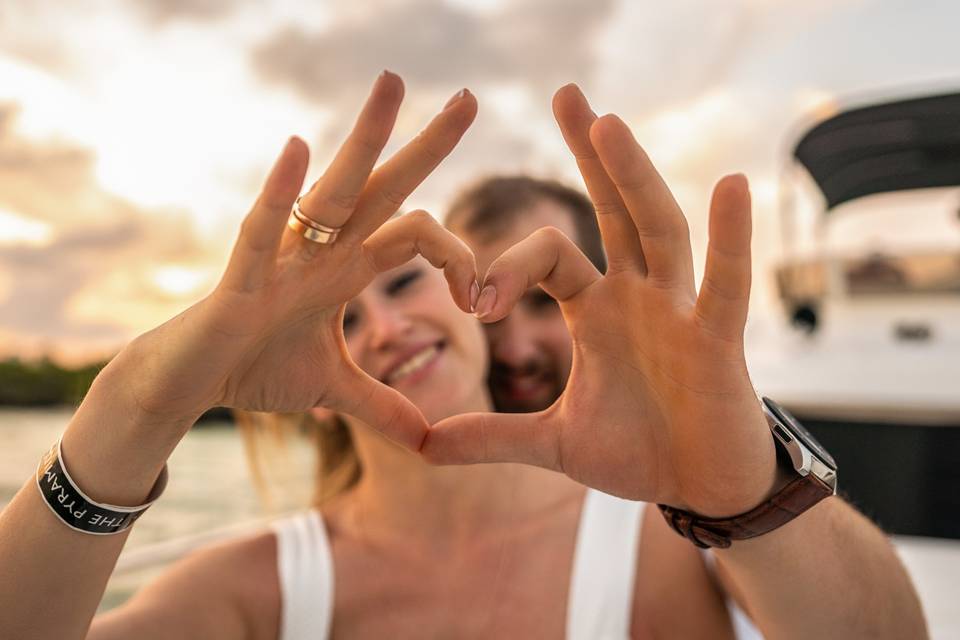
[243,572]
[225,589]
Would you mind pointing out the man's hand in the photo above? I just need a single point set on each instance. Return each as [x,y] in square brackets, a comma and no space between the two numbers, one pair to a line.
[659,406]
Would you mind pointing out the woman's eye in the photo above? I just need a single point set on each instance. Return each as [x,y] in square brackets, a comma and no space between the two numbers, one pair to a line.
[403,281]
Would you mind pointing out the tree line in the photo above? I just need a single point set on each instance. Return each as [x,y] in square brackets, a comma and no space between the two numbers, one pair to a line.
[46,383]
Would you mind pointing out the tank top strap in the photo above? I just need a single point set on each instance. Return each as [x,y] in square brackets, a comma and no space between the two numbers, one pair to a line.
[600,603]
[305,566]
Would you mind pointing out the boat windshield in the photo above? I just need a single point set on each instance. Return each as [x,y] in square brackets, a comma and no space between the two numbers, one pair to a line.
[877,274]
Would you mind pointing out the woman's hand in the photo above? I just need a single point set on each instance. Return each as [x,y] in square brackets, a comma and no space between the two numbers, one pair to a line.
[269,337]
[659,406]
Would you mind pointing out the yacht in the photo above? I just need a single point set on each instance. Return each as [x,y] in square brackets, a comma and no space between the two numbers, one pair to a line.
[866,349]
[865,346]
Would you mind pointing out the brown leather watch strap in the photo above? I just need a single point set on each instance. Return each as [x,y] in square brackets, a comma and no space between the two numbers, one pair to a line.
[795,498]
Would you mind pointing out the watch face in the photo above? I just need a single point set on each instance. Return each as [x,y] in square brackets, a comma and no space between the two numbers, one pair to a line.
[800,433]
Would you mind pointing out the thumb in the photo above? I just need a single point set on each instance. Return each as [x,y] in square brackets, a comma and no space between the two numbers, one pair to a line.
[470,438]
[381,407]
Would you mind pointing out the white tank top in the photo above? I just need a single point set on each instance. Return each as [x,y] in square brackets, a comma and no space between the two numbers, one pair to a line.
[600,598]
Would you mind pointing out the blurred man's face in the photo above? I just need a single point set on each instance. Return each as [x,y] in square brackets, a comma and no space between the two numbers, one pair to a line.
[530,349]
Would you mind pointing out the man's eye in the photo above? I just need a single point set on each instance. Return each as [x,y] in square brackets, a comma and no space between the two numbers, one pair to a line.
[349,321]
[540,300]
[403,281]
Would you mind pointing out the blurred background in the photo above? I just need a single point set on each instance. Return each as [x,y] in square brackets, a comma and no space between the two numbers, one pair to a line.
[135,135]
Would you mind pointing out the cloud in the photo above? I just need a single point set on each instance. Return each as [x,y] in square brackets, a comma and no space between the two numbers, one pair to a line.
[162,11]
[93,285]
[512,57]
[50,180]
[45,279]
[433,44]
[100,255]
[33,31]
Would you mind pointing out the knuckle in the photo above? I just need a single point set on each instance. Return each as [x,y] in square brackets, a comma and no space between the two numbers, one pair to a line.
[638,186]
[431,147]
[714,288]
[369,255]
[245,228]
[345,201]
[421,218]
[608,208]
[550,235]
[393,197]
[618,264]
[250,238]
[369,144]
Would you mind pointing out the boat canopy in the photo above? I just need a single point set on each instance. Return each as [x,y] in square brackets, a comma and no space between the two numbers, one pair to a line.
[907,144]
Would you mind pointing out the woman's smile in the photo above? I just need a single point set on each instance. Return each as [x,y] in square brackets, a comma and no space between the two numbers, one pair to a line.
[415,366]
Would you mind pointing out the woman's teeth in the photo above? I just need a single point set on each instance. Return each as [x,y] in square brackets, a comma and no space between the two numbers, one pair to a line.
[414,364]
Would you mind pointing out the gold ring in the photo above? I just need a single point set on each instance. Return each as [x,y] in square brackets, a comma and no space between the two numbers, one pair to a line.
[310,228]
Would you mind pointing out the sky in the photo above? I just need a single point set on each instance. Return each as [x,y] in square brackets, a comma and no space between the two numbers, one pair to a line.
[134,135]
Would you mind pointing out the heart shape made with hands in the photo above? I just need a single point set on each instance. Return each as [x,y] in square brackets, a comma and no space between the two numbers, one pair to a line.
[658,405]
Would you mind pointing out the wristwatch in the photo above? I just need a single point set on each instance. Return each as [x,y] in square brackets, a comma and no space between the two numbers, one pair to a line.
[799,453]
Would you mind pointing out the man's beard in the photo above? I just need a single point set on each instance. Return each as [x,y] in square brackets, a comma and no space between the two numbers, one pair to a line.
[537,388]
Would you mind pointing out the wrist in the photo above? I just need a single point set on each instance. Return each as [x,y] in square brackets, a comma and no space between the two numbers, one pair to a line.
[114,449]
[159,379]
[809,476]
[124,391]
[737,483]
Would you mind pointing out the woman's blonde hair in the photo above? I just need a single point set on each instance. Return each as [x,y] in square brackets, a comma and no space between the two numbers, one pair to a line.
[267,439]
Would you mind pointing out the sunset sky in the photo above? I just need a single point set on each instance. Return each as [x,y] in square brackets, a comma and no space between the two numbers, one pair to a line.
[134,135]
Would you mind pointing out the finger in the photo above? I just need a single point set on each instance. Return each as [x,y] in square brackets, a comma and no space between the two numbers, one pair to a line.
[620,240]
[255,252]
[391,184]
[333,198]
[399,240]
[725,291]
[471,438]
[546,257]
[660,224]
[379,406]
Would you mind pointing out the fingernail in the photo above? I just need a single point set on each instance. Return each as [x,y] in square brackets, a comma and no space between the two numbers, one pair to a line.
[474,294]
[488,297]
[384,74]
[456,98]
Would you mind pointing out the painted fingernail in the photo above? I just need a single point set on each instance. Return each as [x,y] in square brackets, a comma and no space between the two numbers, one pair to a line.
[456,98]
[488,298]
[474,294]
